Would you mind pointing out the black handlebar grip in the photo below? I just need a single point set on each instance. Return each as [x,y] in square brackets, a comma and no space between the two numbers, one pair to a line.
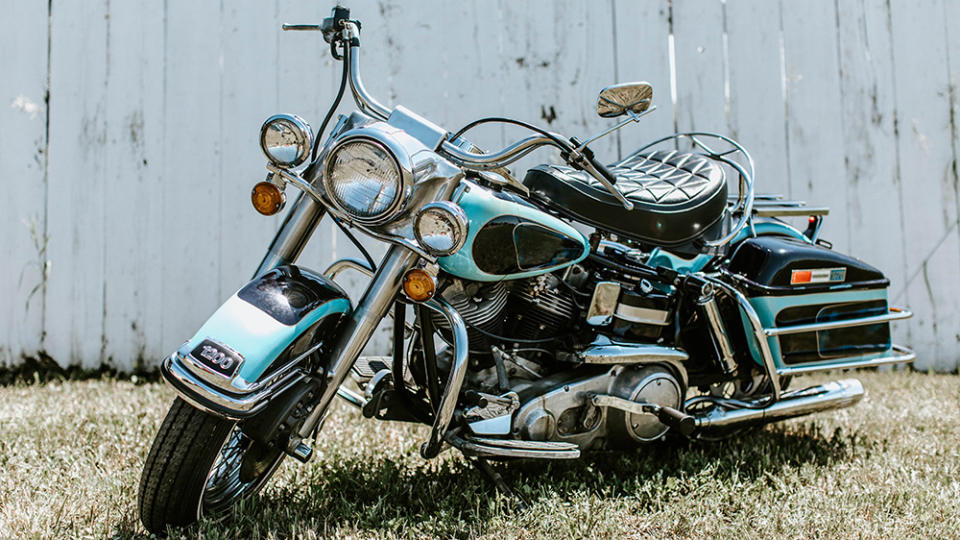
[684,423]
[603,170]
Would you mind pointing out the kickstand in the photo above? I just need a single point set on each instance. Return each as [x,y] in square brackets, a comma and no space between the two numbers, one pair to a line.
[497,480]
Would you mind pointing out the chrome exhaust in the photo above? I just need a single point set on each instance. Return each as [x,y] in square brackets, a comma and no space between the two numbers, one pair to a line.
[832,395]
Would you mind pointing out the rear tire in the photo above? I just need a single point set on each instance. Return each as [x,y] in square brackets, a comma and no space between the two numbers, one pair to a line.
[195,468]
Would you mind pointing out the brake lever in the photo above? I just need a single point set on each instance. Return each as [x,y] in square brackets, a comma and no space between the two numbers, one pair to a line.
[583,157]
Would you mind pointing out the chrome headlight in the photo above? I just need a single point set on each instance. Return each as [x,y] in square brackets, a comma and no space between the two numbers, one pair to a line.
[441,228]
[364,179]
[286,140]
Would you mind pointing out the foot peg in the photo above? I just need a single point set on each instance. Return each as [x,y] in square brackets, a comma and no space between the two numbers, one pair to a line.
[300,451]
[679,421]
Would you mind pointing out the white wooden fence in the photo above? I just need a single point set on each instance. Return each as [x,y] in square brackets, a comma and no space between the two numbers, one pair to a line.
[128,135]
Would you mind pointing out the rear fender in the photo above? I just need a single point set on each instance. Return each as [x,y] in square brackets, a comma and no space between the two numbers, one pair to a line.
[265,330]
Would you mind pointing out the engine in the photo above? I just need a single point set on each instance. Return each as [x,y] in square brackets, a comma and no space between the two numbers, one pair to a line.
[541,307]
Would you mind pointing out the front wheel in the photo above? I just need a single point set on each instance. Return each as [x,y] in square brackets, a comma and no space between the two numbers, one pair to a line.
[199,464]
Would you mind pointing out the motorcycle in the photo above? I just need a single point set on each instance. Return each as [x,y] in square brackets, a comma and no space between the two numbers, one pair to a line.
[586,307]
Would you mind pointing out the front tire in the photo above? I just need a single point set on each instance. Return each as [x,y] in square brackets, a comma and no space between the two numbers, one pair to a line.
[199,464]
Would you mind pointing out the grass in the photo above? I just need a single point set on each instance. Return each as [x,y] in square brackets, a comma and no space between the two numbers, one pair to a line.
[71,453]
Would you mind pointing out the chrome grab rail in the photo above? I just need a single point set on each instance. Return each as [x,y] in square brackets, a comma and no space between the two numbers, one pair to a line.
[902,355]
[451,392]
[893,314]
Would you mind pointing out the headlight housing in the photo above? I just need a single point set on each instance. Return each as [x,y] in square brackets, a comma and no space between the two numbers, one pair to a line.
[286,140]
[441,228]
[364,179]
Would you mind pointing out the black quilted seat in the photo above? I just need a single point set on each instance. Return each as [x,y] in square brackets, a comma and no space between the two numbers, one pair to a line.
[676,196]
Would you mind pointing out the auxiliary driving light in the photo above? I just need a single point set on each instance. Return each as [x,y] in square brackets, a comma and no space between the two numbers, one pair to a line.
[441,228]
[419,285]
[267,198]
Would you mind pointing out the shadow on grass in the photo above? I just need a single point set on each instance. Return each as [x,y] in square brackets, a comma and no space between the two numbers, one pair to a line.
[452,499]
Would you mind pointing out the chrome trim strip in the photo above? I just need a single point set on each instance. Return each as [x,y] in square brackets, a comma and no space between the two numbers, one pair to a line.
[614,353]
[451,391]
[901,355]
[894,314]
[198,392]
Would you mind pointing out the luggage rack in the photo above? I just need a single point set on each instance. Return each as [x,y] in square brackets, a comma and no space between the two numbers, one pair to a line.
[774,205]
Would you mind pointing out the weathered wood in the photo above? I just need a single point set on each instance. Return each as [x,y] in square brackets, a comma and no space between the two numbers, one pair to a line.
[926,169]
[155,110]
[23,160]
[698,34]
[815,140]
[642,34]
[756,119]
[192,147]
[133,184]
[77,190]
[872,216]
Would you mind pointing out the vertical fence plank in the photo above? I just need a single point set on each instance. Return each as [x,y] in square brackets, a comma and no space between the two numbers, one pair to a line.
[133,184]
[756,89]
[191,156]
[698,37]
[872,215]
[951,20]
[813,106]
[23,116]
[929,193]
[76,188]
[641,31]
[248,96]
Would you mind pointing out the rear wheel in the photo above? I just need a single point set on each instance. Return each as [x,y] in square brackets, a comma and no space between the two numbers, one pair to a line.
[199,464]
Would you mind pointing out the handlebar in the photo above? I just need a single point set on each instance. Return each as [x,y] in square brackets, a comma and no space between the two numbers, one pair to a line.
[348,34]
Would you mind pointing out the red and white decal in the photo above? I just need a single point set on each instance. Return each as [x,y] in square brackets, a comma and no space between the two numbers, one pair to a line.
[818,275]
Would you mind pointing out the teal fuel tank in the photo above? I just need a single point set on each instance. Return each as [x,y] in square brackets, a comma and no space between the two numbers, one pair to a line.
[509,238]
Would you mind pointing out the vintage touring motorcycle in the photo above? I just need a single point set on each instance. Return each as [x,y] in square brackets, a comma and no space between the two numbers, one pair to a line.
[586,307]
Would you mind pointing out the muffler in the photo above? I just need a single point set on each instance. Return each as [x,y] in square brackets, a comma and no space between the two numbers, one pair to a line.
[832,395]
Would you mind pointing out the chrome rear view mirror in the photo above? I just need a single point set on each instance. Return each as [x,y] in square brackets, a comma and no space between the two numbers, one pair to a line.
[619,99]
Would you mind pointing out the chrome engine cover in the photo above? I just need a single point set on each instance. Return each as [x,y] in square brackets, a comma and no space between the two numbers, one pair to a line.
[566,414]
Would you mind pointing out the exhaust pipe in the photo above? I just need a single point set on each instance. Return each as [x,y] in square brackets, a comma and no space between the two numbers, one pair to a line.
[832,395]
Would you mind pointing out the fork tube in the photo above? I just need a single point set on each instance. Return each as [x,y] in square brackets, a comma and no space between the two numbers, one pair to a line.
[356,331]
[293,234]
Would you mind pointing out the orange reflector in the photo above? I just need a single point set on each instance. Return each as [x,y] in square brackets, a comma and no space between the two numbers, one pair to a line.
[801,276]
[418,285]
[267,198]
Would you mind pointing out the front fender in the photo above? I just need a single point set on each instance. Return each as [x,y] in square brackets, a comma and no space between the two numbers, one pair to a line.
[260,328]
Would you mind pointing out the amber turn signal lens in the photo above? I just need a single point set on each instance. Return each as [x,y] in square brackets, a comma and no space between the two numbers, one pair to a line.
[267,198]
[419,285]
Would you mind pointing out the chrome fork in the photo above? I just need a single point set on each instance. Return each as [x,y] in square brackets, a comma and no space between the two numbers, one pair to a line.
[356,330]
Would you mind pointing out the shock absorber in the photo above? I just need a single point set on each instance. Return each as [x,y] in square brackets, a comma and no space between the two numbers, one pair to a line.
[707,304]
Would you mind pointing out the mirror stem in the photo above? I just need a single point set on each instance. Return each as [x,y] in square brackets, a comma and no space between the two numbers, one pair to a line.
[634,117]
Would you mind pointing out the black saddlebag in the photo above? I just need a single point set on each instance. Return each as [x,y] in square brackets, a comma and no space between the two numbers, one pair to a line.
[820,309]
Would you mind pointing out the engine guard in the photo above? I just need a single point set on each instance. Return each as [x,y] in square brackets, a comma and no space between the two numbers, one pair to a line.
[236,363]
